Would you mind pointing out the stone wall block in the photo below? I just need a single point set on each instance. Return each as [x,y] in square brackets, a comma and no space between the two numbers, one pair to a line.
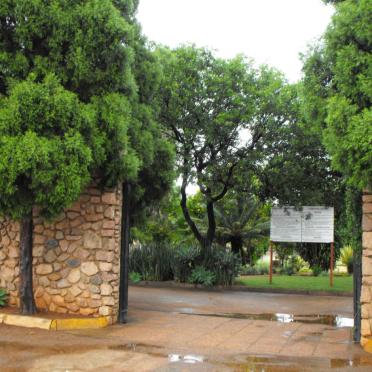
[92,240]
[89,268]
[367,207]
[75,256]
[367,222]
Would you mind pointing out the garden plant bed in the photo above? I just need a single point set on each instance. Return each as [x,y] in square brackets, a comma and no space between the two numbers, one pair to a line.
[343,286]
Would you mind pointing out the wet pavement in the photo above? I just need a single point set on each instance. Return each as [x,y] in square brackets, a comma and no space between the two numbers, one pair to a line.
[182,330]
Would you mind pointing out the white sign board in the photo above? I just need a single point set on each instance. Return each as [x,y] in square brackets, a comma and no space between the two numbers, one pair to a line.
[308,225]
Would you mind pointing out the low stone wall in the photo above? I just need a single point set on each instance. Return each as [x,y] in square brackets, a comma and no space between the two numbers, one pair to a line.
[366,296]
[76,257]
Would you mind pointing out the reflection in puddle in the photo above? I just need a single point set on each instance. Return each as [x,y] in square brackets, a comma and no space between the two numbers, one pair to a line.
[174,358]
[279,363]
[338,321]
[190,359]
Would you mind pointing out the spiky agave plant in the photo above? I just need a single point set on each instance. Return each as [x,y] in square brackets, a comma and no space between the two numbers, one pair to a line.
[3,297]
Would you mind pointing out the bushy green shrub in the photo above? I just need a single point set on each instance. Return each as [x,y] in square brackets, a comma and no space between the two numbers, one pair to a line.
[152,261]
[316,270]
[225,265]
[347,257]
[200,275]
[248,270]
[305,271]
[184,261]
[166,262]
[135,277]
[3,297]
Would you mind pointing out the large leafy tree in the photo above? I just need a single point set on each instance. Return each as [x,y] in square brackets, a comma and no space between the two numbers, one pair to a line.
[338,90]
[71,105]
[218,112]
[44,159]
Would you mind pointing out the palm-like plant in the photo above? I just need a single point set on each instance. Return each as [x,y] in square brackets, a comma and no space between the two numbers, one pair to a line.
[241,223]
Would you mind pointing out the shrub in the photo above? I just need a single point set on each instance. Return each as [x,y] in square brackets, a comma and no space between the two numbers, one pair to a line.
[248,270]
[200,275]
[262,267]
[347,257]
[184,261]
[3,297]
[316,270]
[225,265]
[305,271]
[152,261]
[135,277]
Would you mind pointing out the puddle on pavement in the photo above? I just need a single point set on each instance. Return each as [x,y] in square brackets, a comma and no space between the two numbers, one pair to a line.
[153,350]
[158,351]
[271,363]
[338,321]
[189,359]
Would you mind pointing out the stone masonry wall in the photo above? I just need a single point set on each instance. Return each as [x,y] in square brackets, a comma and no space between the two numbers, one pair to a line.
[76,257]
[366,296]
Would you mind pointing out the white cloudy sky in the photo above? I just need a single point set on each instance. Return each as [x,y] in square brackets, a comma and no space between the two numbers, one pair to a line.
[269,31]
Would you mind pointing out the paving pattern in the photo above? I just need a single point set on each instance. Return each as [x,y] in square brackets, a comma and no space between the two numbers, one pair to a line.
[181,330]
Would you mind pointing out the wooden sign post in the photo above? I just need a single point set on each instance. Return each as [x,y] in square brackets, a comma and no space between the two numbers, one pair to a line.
[271,262]
[331,264]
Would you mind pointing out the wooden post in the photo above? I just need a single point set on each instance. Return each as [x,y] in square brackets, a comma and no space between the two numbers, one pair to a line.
[331,264]
[271,262]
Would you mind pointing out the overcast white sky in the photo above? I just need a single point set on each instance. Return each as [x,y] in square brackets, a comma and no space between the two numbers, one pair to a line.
[269,31]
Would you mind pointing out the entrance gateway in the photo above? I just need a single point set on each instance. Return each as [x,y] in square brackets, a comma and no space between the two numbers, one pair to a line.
[305,225]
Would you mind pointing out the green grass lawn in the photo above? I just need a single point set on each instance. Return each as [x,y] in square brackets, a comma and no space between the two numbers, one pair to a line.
[311,283]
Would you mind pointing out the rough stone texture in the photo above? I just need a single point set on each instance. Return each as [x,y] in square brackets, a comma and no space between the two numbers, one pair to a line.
[76,257]
[366,295]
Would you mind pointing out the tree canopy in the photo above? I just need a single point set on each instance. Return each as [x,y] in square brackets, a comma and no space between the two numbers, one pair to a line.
[76,80]
[338,90]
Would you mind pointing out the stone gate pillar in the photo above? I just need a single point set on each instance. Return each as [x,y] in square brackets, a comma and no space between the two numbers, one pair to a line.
[366,296]
[75,257]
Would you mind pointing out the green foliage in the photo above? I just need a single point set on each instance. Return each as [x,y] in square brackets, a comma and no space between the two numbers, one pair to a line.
[135,277]
[349,222]
[317,270]
[347,257]
[80,41]
[338,90]
[206,103]
[283,251]
[152,262]
[166,262]
[200,275]
[239,221]
[185,260]
[317,255]
[47,147]
[76,82]
[163,222]
[225,265]
[262,267]
[248,270]
[3,297]
[297,170]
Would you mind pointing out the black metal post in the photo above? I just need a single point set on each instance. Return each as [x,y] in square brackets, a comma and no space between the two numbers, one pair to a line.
[124,255]
[357,282]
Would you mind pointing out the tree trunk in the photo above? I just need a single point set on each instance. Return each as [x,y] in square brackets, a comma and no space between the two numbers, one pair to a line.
[236,246]
[124,255]
[211,232]
[27,302]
